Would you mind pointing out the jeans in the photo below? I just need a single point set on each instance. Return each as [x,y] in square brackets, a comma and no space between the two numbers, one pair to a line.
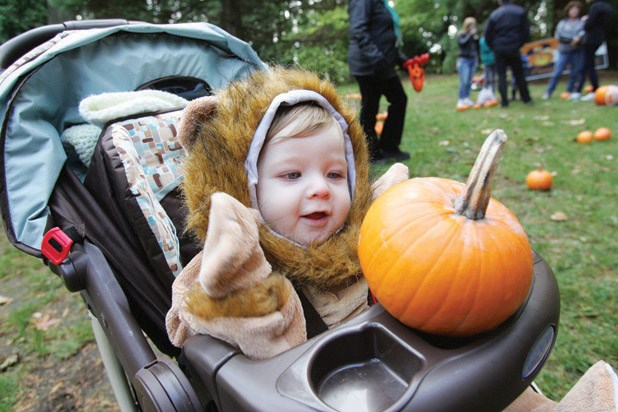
[575,58]
[489,74]
[466,66]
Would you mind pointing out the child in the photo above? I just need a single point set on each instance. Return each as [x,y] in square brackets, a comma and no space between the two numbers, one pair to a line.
[487,97]
[276,182]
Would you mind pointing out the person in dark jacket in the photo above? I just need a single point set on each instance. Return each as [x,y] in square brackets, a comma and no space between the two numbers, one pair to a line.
[372,56]
[508,28]
[595,23]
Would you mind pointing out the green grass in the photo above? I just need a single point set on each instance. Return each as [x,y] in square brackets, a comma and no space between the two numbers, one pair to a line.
[35,292]
[582,250]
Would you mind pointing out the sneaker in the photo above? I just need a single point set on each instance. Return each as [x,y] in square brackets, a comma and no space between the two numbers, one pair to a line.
[575,96]
[461,105]
[588,98]
[545,96]
[468,101]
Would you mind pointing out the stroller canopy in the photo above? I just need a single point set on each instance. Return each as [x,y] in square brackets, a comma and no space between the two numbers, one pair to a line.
[40,95]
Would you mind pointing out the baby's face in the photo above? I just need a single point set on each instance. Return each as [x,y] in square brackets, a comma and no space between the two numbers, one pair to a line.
[302,188]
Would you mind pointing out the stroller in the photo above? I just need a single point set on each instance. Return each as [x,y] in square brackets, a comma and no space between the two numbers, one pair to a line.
[111,228]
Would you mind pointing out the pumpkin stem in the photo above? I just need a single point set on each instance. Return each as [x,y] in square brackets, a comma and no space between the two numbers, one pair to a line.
[473,203]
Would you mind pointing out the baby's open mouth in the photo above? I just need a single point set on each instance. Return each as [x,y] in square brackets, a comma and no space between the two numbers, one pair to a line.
[316,215]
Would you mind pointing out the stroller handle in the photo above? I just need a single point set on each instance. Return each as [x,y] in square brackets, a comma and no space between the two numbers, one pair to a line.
[16,47]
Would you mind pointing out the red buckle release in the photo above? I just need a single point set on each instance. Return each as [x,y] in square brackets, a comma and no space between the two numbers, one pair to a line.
[56,245]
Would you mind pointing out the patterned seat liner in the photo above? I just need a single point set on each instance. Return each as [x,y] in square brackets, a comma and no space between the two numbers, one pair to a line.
[152,159]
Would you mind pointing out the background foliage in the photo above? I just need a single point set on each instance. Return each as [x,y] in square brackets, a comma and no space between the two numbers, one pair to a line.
[312,33]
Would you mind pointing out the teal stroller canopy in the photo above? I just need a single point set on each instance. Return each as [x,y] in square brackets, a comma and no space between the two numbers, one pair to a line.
[40,94]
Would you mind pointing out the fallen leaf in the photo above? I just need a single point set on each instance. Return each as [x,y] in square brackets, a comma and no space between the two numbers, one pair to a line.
[541,117]
[559,217]
[575,122]
[444,143]
[10,360]
[45,323]
[5,300]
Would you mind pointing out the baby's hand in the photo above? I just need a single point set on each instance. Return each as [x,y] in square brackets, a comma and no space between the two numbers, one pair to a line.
[229,291]
[397,173]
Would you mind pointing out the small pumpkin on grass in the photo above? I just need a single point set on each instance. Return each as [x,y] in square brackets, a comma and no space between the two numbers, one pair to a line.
[602,133]
[444,257]
[539,179]
[584,137]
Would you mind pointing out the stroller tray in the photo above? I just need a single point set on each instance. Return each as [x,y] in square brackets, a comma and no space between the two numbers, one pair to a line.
[375,363]
[371,378]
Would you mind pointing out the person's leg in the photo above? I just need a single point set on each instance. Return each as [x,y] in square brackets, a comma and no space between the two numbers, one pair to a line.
[559,67]
[393,125]
[472,63]
[514,60]
[370,90]
[576,58]
[587,67]
[592,71]
[490,77]
[501,71]
[462,69]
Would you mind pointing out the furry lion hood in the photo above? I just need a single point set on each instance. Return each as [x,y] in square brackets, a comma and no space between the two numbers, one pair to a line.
[217,132]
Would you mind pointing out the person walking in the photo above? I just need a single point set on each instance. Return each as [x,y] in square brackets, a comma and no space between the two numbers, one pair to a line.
[508,28]
[467,61]
[372,56]
[569,32]
[595,24]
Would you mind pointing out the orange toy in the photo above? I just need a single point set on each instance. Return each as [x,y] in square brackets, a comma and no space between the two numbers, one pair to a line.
[416,71]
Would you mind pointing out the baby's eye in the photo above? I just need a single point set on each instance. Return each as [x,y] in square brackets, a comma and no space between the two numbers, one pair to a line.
[292,175]
[335,175]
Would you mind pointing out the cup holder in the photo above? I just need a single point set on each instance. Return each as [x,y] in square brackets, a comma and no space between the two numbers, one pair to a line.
[363,370]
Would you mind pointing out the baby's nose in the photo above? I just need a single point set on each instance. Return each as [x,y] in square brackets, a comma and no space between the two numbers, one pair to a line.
[319,188]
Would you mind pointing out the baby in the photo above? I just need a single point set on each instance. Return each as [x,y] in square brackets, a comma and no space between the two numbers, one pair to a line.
[276,182]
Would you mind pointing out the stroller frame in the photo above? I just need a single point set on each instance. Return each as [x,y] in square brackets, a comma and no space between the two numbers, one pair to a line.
[322,373]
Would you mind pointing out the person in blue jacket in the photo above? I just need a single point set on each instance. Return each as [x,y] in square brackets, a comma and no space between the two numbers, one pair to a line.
[372,56]
[508,28]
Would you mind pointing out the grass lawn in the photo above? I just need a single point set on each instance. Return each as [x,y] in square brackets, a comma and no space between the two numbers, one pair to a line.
[573,226]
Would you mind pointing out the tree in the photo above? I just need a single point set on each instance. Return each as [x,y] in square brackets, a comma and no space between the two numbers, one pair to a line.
[18,16]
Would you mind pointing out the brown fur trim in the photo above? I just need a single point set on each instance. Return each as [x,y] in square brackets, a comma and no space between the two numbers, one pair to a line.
[261,299]
[216,163]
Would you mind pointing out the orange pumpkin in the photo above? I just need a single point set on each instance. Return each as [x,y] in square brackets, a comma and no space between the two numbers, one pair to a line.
[599,95]
[382,116]
[584,137]
[602,133]
[539,179]
[444,257]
